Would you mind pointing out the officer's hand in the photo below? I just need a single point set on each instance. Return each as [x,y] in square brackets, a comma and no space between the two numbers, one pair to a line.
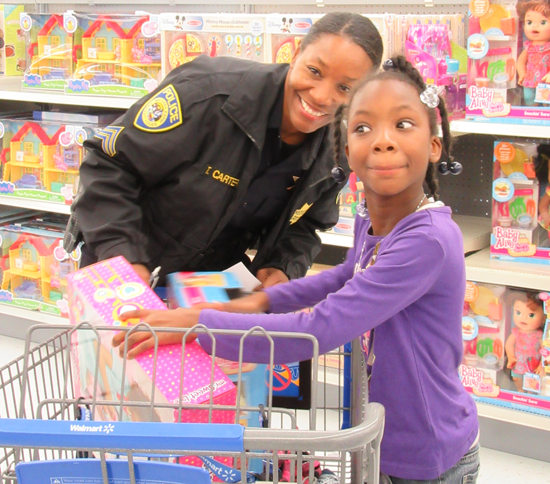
[270,277]
[142,340]
[142,272]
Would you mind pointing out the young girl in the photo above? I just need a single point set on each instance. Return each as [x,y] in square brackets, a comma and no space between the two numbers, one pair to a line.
[404,279]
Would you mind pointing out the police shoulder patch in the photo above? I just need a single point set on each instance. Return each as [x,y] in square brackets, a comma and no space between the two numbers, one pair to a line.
[108,137]
[161,113]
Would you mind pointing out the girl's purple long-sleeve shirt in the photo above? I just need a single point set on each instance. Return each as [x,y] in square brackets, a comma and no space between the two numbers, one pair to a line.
[413,297]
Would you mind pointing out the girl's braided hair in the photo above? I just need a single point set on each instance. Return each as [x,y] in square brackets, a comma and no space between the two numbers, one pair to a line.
[400,69]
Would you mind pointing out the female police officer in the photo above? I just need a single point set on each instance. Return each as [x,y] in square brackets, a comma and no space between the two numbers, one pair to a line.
[223,155]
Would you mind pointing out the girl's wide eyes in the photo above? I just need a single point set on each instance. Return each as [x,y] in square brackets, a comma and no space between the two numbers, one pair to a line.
[362,128]
[404,124]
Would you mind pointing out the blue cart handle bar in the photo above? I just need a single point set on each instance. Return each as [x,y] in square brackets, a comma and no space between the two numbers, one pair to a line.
[121,435]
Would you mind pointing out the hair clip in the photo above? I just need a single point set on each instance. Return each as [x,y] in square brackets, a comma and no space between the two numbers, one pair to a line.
[455,168]
[388,64]
[430,96]
[338,174]
[345,123]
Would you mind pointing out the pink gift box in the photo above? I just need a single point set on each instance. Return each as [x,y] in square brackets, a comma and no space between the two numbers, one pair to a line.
[98,294]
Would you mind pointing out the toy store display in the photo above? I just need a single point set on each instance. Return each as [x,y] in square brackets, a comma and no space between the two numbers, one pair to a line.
[506,334]
[351,195]
[285,33]
[186,36]
[430,49]
[519,229]
[34,266]
[41,159]
[99,294]
[12,41]
[50,50]
[509,63]
[119,55]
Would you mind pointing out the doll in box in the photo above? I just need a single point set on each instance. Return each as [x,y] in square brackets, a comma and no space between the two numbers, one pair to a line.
[533,65]
[524,343]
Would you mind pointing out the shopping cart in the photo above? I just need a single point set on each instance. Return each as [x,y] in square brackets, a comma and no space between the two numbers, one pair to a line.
[41,440]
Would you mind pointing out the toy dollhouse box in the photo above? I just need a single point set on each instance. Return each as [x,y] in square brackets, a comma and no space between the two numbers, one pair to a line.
[186,36]
[516,234]
[34,267]
[496,368]
[12,49]
[348,199]
[49,51]
[494,46]
[41,160]
[119,54]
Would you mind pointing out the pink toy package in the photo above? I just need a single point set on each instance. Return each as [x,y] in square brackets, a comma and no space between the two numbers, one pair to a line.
[99,294]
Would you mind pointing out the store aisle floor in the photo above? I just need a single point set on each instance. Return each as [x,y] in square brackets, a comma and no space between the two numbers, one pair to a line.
[496,467]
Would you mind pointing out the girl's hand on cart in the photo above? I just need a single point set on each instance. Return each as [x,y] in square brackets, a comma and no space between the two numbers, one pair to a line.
[141,341]
[255,303]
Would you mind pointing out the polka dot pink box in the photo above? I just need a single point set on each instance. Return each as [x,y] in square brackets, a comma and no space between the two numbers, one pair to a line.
[98,294]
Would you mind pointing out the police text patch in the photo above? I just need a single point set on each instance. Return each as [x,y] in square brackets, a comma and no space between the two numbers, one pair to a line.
[161,113]
[108,137]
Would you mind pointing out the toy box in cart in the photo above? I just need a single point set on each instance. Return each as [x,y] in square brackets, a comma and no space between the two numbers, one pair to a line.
[509,62]
[521,209]
[186,36]
[506,338]
[41,160]
[119,54]
[99,294]
[34,265]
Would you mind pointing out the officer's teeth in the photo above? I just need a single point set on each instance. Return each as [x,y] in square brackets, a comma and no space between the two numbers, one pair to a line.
[308,109]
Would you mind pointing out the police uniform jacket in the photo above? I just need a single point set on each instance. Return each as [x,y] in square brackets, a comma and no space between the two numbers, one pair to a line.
[159,185]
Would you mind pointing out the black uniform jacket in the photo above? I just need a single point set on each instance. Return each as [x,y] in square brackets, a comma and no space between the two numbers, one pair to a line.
[160,184]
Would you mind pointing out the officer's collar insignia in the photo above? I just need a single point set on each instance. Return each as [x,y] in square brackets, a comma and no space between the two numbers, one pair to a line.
[161,113]
[108,137]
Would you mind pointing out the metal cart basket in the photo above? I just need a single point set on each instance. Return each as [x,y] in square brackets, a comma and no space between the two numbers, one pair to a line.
[49,435]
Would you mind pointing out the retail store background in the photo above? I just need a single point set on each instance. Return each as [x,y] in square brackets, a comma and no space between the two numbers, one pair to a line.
[469,194]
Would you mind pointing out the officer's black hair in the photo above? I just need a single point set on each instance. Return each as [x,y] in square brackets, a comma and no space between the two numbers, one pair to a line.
[541,163]
[400,69]
[357,28]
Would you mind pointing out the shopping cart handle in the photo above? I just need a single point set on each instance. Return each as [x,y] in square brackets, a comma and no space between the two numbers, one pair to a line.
[121,435]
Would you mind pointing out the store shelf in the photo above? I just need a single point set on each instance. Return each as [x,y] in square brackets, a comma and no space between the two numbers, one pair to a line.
[481,268]
[35,205]
[525,419]
[476,232]
[474,127]
[10,90]
[15,322]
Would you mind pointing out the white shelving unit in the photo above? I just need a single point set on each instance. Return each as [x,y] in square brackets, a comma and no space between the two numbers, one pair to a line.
[34,205]
[500,129]
[481,268]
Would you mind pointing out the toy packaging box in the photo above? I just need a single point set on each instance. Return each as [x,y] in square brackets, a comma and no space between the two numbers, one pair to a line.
[351,195]
[520,208]
[12,41]
[440,61]
[99,294]
[185,289]
[119,54]
[506,337]
[50,51]
[186,36]
[509,63]
[41,160]
[34,265]
[285,33]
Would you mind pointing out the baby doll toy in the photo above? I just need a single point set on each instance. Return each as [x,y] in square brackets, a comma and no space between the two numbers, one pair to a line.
[533,64]
[524,343]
